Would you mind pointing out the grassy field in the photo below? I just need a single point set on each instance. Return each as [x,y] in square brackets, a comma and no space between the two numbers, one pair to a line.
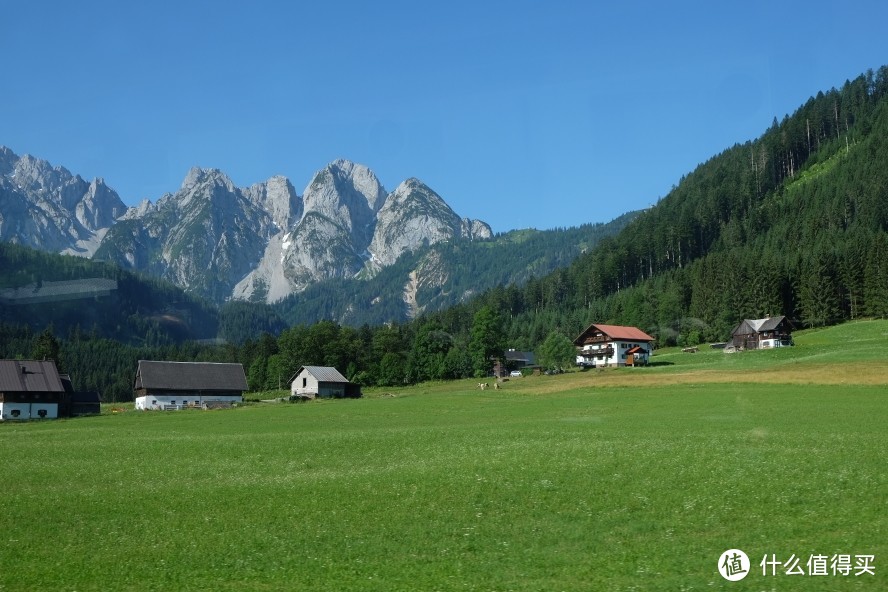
[629,479]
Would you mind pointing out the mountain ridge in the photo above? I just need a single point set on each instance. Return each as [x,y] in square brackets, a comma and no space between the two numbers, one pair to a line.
[221,241]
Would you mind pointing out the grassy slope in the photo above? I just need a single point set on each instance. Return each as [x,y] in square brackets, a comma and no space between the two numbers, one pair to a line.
[619,480]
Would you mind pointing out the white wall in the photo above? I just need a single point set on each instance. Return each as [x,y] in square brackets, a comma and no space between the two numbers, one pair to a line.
[167,402]
[619,356]
[304,378]
[10,411]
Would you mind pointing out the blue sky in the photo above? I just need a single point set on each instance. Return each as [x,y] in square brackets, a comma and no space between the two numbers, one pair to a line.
[522,114]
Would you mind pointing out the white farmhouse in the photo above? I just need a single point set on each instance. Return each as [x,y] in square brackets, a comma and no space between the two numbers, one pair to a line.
[180,385]
[613,345]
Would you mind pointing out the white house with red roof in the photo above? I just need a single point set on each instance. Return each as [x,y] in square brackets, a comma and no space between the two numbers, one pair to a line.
[613,345]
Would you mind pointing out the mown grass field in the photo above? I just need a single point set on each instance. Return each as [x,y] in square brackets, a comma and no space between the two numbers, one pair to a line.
[630,479]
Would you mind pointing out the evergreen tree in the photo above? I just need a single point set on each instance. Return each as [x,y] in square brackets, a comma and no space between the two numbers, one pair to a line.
[487,341]
[47,348]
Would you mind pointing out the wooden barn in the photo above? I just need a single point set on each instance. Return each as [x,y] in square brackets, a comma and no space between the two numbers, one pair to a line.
[613,345]
[32,389]
[322,381]
[762,333]
[182,385]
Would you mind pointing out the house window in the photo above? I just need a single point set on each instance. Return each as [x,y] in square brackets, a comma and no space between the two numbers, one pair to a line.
[304,382]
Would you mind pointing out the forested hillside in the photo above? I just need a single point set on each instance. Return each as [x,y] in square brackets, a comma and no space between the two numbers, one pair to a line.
[76,295]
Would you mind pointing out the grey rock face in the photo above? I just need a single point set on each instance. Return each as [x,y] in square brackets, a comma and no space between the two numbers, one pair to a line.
[205,237]
[48,208]
[215,239]
[414,216]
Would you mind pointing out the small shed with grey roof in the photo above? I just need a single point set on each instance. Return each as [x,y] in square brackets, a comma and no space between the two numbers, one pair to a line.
[321,381]
[178,385]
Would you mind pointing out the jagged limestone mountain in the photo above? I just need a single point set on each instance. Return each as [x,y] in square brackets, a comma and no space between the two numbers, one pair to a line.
[220,241]
[48,208]
[204,238]
[414,215]
[351,227]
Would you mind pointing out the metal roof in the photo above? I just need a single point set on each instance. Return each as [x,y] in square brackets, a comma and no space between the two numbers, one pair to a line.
[514,355]
[759,325]
[190,376]
[30,376]
[324,373]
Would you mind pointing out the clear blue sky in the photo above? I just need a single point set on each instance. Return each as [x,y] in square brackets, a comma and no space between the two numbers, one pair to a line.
[523,114]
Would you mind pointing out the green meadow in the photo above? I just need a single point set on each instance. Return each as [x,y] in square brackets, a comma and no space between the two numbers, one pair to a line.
[622,479]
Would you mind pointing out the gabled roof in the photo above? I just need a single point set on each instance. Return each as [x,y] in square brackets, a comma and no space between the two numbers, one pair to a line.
[615,332]
[322,373]
[30,376]
[190,376]
[758,325]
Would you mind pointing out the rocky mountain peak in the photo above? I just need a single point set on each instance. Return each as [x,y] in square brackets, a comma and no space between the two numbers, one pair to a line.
[414,216]
[347,194]
[197,176]
[278,197]
[8,159]
[211,237]
[47,207]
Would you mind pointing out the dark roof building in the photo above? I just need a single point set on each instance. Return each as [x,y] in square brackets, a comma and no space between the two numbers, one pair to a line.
[31,389]
[161,385]
[519,359]
[762,333]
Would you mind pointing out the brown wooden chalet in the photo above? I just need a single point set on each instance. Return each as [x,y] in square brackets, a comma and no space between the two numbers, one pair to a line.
[613,345]
[762,333]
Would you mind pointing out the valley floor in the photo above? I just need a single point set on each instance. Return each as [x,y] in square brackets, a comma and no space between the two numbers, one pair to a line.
[625,479]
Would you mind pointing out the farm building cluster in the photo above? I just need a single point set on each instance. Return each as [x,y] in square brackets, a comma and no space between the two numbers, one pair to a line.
[615,345]
[32,389]
[183,385]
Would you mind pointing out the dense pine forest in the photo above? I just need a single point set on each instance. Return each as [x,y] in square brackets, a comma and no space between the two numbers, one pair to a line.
[793,223]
